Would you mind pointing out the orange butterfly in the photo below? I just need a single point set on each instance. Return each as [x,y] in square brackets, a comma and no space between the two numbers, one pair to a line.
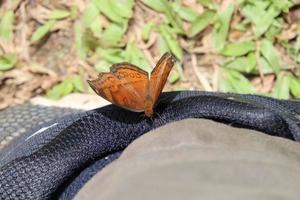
[131,87]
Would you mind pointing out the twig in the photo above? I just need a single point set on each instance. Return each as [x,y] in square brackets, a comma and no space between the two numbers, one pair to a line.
[215,79]
[89,69]
[23,29]
[150,42]
[201,78]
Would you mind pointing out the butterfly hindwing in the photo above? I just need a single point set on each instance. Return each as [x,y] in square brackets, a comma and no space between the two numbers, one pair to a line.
[124,86]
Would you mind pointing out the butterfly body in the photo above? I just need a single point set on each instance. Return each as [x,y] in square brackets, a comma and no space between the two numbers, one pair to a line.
[131,87]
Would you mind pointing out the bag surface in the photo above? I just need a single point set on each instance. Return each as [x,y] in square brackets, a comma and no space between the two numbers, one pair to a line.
[44,162]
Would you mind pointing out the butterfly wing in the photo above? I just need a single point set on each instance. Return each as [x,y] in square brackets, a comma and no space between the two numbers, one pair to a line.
[125,85]
[160,74]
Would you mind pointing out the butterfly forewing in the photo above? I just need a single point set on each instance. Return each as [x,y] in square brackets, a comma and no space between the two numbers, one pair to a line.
[130,87]
[124,86]
[160,74]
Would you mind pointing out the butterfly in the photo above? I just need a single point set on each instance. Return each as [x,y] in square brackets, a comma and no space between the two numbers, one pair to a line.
[132,88]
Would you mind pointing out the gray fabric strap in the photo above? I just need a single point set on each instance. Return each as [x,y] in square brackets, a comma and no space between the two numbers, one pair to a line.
[198,158]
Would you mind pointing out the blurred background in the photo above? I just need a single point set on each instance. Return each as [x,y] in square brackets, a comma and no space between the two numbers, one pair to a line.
[52,47]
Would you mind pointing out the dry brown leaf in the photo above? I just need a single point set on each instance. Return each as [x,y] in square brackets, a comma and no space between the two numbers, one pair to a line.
[39,13]
[19,85]
[264,85]
[294,13]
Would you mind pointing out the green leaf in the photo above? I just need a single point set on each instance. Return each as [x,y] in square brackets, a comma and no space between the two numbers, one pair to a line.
[297,58]
[201,22]
[42,31]
[248,10]
[293,48]
[210,4]
[165,7]
[58,14]
[123,8]
[81,47]
[7,61]
[238,48]
[107,8]
[282,86]
[244,64]
[112,35]
[135,56]
[282,5]
[263,24]
[157,5]
[185,13]
[103,66]
[112,55]
[273,31]
[90,14]
[77,83]
[96,27]
[295,86]
[268,51]
[147,30]
[6,24]
[73,11]
[178,68]
[265,66]
[174,76]
[171,40]
[89,40]
[162,45]
[240,27]
[260,14]
[233,81]
[60,90]
[297,44]
[173,19]
[221,28]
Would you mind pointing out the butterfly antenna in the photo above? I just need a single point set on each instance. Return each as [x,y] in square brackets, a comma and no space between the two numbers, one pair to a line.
[152,119]
[161,119]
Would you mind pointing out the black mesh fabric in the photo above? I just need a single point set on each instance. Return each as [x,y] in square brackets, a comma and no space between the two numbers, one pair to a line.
[41,172]
[70,190]
[15,121]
